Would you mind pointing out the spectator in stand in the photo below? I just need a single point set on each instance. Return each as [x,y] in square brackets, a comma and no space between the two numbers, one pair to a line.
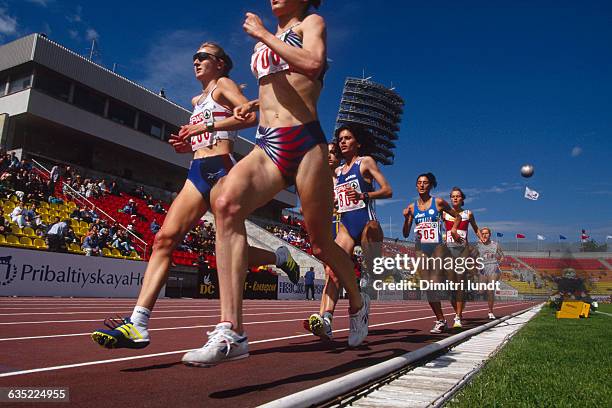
[56,236]
[17,215]
[122,243]
[154,226]
[4,225]
[32,218]
[104,239]
[102,187]
[114,188]
[159,208]
[54,175]
[91,245]
[309,279]
[130,208]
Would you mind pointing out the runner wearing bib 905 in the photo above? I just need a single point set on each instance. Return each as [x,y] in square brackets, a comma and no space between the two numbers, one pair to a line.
[210,134]
[354,192]
[426,214]
[459,249]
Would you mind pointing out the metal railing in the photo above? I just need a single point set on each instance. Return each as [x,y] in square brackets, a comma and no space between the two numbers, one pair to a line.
[85,202]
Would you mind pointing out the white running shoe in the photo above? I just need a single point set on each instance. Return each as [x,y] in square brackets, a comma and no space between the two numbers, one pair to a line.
[439,327]
[359,323]
[492,316]
[457,324]
[223,345]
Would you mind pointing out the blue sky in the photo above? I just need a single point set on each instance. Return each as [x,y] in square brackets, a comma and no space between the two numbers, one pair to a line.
[487,88]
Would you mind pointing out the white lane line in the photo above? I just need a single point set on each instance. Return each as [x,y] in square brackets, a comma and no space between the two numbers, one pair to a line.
[197,326]
[182,317]
[117,360]
[173,311]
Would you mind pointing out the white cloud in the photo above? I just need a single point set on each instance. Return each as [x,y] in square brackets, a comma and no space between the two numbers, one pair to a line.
[8,24]
[168,65]
[91,34]
[477,210]
[74,34]
[76,18]
[43,3]
[576,151]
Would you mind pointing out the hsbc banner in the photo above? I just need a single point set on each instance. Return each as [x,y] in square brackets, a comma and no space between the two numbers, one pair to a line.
[39,273]
[287,290]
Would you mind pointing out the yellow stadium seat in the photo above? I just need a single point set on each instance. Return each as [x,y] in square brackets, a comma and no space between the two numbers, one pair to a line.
[115,252]
[27,231]
[12,240]
[2,239]
[53,206]
[16,230]
[14,198]
[83,224]
[8,207]
[39,243]
[106,252]
[27,242]
[71,205]
[42,210]
[43,204]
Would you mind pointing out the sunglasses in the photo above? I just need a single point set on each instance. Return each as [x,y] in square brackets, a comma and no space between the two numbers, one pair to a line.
[203,56]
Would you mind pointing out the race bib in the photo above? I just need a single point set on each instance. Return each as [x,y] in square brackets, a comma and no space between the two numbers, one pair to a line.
[203,139]
[344,204]
[449,237]
[427,232]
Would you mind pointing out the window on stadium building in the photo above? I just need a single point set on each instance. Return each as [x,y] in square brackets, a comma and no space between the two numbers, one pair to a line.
[20,82]
[120,113]
[52,84]
[149,125]
[169,130]
[89,100]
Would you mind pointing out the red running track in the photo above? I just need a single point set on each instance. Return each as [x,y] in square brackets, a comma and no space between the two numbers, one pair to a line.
[44,342]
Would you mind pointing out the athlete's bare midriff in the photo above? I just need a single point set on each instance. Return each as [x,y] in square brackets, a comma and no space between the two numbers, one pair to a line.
[218,149]
[288,98]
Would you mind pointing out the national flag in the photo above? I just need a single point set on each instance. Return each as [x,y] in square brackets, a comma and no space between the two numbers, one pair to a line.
[531,194]
[541,238]
[499,235]
[562,237]
[520,236]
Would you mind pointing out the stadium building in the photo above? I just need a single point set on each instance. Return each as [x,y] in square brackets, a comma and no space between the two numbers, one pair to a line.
[57,106]
[378,108]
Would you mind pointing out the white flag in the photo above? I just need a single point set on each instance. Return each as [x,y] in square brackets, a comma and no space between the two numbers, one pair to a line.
[531,194]
[541,237]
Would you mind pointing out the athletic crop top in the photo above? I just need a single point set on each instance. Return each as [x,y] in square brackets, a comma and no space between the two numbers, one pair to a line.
[205,111]
[462,229]
[265,62]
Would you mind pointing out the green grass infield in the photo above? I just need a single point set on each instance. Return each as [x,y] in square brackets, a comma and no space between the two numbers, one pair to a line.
[548,363]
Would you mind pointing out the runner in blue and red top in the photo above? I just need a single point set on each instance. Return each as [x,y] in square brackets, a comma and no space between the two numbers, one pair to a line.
[459,249]
[354,194]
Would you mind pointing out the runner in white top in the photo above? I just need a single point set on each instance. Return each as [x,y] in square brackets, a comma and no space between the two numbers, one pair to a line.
[492,254]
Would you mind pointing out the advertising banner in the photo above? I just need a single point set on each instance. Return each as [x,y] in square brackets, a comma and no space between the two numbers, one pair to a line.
[39,273]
